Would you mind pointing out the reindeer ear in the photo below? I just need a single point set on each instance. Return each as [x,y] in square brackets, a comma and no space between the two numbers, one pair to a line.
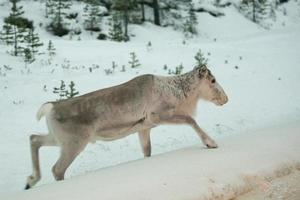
[202,71]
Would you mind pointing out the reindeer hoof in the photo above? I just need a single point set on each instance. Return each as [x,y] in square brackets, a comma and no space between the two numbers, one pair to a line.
[211,144]
[27,186]
[211,147]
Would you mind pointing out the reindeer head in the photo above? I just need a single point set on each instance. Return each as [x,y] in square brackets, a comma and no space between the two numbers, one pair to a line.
[209,88]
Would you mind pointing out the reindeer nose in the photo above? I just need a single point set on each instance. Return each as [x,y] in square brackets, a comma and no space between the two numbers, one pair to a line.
[225,100]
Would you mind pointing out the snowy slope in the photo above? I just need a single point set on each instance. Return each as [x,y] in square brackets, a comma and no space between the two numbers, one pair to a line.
[242,163]
[259,70]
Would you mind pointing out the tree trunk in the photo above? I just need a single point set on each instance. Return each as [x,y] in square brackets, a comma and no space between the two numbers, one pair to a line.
[126,25]
[156,12]
[143,11]
[254,17]
[16,41]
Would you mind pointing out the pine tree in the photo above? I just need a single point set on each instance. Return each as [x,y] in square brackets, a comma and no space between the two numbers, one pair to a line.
[6,35]
[16,12]
[200,59]
[255,10]
[65,93]
[49,8]
[18,38]
[33,41]
[72,91]
[124,7]
[134,62]
[189,27]
[58,25]
[15,27]
[115,30]
[61,90]
[28,56]
[92,16]
[51,49]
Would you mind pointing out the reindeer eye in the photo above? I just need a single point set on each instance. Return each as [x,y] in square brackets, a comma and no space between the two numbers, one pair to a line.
[213,81]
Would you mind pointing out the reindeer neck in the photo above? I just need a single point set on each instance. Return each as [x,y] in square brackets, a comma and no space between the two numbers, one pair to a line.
[187,83]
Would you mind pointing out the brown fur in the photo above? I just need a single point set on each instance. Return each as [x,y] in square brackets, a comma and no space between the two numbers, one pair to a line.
[135,106]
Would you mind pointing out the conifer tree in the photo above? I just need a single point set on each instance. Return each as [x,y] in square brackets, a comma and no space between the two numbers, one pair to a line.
[72,91]
[115,29]
[65,93]
[28,56]
[51,49]
[200,59]
[49,8]
[33,41]
[61,90]
[16,12]
[92,16]
[58,25]
[189,27]
[15,27]
[134,62]
[6,35]
[255,10]
[124,7]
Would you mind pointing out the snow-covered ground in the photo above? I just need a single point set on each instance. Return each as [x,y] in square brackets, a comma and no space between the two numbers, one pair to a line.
[242,163]
[258,68]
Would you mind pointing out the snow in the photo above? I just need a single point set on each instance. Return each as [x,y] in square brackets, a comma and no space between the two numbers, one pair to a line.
[243,162]
[258,69]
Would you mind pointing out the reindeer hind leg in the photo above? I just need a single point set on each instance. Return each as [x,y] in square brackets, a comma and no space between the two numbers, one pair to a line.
[37,141]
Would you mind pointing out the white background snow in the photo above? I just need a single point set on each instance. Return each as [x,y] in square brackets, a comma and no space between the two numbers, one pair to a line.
[263,89]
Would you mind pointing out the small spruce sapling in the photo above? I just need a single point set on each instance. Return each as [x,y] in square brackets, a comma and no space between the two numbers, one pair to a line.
[114,66]
[92,16]
[123,68]
[134,62]
[200,59]
[72,91]
[190,25]
[115,29]
[28,56]
[33,41]
[65,93]
[61,90]
[51,49]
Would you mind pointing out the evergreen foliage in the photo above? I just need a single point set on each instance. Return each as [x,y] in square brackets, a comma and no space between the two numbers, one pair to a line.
[72,91]
[51,49]
[124,7]
[134,62]
[178,70]
[115,29]
[33,41]
[65,93]
[257,10]
[200,59]
[6,35]
[14,28]
[58,26]
[49,8]
[61,90]
[92,16]
[189,27]
[28,56]
[15,16]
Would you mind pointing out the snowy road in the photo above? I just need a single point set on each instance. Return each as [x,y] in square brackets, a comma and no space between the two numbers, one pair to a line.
[242,163]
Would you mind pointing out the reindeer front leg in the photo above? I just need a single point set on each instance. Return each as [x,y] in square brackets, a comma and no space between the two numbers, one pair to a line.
[167,117]
[144,137]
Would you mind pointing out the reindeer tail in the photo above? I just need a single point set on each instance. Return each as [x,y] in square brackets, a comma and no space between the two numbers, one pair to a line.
[44,109]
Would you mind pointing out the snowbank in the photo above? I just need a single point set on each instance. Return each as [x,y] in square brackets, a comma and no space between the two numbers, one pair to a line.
[241,163]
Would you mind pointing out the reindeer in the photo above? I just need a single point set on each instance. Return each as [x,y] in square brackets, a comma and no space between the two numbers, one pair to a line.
[112,113]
